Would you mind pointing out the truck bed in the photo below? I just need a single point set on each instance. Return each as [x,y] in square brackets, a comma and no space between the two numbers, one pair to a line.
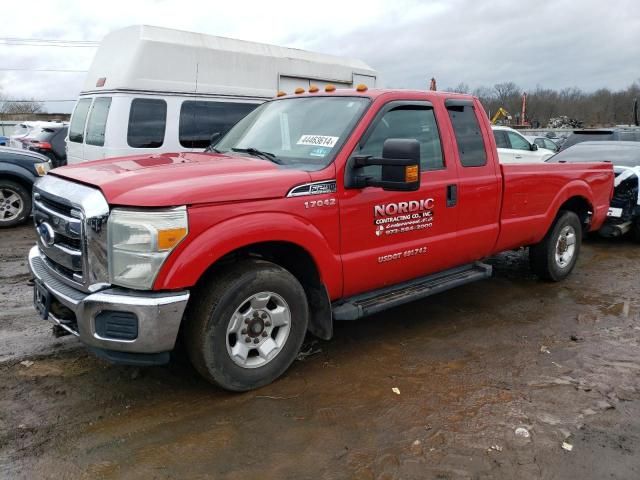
[533,193]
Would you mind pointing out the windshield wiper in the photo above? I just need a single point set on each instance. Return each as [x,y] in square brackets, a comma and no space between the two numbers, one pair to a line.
[259,153]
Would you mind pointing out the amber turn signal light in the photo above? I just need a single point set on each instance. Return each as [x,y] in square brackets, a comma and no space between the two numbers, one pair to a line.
[362,87]
[411,173]
[169,238]
[299,90]
[330,88]
[281,93]
[313,89]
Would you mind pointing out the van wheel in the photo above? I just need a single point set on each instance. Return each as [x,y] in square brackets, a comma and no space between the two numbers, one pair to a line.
[15,203]
[246,325]
[555,256]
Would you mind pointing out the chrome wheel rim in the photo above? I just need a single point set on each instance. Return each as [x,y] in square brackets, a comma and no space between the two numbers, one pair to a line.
[565,246]
[11,205]
[258,330]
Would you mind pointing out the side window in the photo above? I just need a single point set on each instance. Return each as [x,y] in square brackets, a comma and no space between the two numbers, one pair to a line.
[550,145]
[411,122]
[78,119]
[518,142]
[199,120]
[540,142]
[468,135]
[147,122]
[98,121]
[501,139]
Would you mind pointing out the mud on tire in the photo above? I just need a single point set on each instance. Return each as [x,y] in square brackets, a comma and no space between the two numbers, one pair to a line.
[555,256]
[253,306]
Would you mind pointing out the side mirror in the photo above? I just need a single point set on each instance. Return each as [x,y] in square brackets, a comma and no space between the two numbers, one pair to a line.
[400,170]
[534,147]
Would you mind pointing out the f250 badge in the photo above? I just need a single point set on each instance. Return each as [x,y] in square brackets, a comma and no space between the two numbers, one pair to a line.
[403,217]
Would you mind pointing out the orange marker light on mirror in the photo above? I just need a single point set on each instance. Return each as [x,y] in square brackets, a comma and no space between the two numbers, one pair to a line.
[299,90]
[411,173]
[330,88]
[313,89]
[361,88]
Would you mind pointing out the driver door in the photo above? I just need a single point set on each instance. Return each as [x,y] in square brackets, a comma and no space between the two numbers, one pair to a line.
[389,236]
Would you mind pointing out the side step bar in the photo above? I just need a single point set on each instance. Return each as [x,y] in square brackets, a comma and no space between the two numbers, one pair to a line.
[372,302]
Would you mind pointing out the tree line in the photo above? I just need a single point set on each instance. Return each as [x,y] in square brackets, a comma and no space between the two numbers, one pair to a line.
[600,108]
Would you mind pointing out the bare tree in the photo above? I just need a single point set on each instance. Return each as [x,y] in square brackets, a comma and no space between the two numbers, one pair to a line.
[12,107]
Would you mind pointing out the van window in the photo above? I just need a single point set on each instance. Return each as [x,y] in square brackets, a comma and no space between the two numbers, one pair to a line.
[98,121]
[147,122]
[468,135]
[78,119]
[199,120]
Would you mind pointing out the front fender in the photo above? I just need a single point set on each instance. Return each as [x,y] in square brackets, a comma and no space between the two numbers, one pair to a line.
[12,170]
[192,258]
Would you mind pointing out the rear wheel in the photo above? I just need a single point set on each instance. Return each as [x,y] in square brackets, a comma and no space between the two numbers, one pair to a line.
[15,203]
[246,325]
[555,256]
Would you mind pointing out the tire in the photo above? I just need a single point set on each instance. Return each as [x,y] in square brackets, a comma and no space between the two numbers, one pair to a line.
[15,203]
[555,256]
[635,230]
[236,330]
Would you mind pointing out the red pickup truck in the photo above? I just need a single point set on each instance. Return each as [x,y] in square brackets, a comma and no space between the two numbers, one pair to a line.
[322,206]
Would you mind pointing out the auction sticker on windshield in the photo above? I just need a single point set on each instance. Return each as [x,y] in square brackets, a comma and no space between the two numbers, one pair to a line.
[318,140]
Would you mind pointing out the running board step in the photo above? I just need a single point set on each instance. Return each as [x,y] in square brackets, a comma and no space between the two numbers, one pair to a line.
[372,302]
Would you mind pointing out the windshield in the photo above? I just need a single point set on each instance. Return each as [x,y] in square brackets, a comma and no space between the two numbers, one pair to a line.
[303,132]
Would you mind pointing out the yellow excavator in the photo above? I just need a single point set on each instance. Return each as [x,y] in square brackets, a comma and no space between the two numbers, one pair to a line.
[500,113]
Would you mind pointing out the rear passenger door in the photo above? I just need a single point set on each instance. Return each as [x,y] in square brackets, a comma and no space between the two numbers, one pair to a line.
[479,179]
[388,237]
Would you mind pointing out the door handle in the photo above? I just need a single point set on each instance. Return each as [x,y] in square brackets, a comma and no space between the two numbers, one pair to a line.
[517,157]
[452,195]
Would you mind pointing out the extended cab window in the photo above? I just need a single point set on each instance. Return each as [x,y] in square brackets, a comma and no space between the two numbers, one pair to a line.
[78,119]
[518,142]
[199,120]
[466,127]
[410,122]
[147,122]
[98,121]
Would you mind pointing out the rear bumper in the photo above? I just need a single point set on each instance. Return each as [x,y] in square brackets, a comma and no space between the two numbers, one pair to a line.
[158,314]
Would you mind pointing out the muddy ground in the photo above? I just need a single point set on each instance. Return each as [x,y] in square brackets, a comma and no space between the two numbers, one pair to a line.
[472,365]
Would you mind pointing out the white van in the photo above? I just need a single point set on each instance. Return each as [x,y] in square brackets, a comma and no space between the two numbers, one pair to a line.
[152,90]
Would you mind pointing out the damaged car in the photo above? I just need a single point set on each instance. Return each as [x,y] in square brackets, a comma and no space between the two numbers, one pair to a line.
[624,212]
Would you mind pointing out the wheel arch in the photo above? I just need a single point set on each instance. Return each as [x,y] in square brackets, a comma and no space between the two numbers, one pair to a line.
[283,239]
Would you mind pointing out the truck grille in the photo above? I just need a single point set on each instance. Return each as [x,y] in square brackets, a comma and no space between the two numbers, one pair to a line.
[59,228]
[71,223]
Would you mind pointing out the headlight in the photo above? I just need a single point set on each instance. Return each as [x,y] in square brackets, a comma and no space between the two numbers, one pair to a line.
[42,168]
[140,241]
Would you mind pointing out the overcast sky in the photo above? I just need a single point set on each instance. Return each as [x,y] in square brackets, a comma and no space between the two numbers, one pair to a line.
[586,44]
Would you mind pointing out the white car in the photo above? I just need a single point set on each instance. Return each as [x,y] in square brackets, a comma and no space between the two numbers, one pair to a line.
[513,147]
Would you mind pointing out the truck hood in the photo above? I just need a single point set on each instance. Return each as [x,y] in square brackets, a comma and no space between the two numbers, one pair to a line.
[184,179]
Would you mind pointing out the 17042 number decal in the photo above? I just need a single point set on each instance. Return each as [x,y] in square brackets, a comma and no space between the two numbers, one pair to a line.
[320,203]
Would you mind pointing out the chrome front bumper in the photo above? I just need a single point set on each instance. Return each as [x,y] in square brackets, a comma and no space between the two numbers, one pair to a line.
[158,314]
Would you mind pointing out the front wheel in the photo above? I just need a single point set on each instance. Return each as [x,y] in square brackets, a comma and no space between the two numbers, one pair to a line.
[15,203]
[246,325]
[556,255]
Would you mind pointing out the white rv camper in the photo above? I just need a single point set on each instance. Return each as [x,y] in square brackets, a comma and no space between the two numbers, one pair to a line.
[152,90]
